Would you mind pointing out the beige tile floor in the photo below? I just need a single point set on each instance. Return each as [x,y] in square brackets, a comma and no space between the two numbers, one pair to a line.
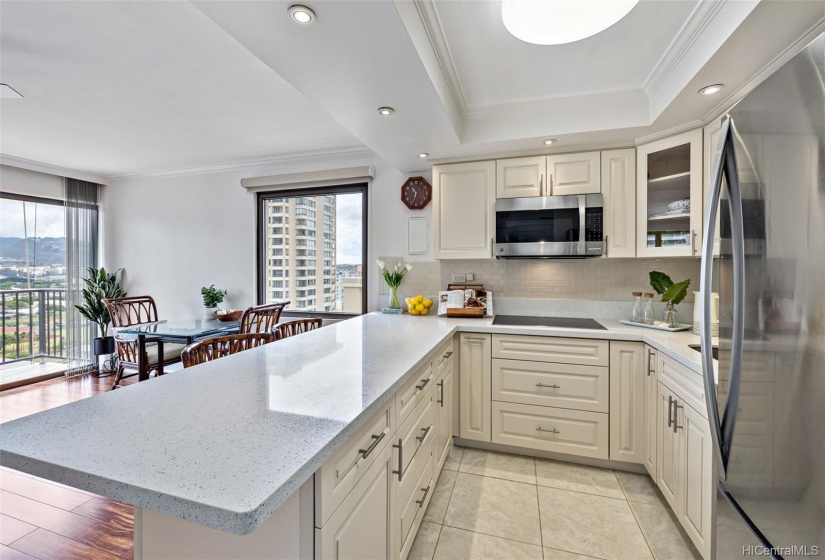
[489,505]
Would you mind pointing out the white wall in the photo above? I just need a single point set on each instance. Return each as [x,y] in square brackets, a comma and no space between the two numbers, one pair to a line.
[32,183]
[173,234]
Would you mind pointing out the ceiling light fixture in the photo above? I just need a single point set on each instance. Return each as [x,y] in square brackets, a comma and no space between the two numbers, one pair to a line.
[561,21]
[8,92]
[423,155]
[710,90]
[386,111]
[301,14]
[549,141]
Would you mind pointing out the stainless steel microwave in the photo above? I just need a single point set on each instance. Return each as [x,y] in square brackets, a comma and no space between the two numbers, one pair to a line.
[567,226]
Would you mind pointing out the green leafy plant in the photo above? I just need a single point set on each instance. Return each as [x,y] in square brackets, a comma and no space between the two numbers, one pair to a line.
[100,285]
[673,292]
[212,296]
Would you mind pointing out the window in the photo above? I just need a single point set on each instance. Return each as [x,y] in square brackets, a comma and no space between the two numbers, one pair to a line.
[343,232]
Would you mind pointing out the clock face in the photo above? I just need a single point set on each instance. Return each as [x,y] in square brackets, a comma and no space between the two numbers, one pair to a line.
[416,193]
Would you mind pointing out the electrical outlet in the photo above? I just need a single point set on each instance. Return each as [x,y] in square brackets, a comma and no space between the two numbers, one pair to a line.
[459,278]
[470,277]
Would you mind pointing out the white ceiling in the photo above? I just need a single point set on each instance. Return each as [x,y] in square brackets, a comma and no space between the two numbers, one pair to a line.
[495,69]
[125,87]
[134,87]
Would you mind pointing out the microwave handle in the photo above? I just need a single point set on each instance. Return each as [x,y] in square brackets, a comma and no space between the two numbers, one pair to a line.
[582,224]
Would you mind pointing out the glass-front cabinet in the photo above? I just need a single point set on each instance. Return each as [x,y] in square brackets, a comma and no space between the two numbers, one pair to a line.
[669,197]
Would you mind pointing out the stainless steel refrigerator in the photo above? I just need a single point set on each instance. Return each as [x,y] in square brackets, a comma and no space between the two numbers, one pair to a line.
[764,253]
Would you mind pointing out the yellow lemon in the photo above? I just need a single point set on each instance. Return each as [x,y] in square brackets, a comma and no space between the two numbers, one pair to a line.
[419,307]
[408,300]
[428,303]
[415,312]
[425,310]
[419,299]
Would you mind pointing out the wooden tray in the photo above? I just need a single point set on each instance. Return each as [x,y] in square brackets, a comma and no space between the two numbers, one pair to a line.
[466,312]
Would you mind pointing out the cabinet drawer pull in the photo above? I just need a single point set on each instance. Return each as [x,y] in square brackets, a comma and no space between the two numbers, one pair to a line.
[441,393]
[447,355]
[424,497]
[366,452]
[474,338]
[693,242]
[424,433]
[669,411]
[650,366]
[423,384]
[400,447]
[550,431]
[553,386]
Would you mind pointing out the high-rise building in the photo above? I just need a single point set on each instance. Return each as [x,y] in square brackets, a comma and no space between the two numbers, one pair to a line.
[300,249]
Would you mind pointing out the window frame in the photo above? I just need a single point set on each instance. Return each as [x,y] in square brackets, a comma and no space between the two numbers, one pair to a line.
[261,224]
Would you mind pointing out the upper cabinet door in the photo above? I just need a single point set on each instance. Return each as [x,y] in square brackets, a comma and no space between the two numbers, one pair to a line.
[669,201]
[464,197]
[519,177]
[574,173]
[619,191]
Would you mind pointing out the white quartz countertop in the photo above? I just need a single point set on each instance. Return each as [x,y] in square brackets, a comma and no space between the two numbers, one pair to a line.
[225,443]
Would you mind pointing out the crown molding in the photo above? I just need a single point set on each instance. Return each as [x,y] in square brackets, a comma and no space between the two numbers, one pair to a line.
[693,28]
[337,154]
[50,169]
[691,125]
[579,148]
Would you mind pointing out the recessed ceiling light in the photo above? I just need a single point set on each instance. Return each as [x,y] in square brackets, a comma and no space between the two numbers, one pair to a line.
[301,14]
[8,92]
[386,111]
[423,155]
[549,141]
[561,21]
[710,90]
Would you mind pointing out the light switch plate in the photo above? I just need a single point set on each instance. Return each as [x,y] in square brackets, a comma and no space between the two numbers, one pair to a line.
[459,278]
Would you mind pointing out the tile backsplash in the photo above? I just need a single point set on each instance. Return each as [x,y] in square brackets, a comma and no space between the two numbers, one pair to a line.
[579,279]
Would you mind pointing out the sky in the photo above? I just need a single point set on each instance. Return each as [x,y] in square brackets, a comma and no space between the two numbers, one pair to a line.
[348,214]
[49,219]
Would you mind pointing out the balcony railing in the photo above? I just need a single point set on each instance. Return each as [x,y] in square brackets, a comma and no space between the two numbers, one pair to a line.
[33,324]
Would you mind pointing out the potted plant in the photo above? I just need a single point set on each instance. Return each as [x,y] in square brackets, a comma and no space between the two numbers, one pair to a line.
[393,279]
[100,285]
[212,296]
[672,292]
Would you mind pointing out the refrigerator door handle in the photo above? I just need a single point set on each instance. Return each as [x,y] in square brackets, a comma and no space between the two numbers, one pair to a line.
[724,167]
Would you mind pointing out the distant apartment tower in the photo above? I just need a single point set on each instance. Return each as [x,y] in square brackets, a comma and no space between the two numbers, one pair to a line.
[300,249]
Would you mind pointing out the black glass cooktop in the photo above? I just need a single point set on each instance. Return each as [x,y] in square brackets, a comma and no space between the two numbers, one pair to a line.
[561,322]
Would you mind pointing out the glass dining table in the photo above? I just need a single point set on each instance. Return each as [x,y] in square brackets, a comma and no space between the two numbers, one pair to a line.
[176,332]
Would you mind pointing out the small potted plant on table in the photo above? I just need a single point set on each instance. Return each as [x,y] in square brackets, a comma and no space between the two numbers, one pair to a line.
[672,292]
[212,296]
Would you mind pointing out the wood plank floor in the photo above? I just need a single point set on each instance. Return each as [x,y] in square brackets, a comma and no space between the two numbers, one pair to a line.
[46,520]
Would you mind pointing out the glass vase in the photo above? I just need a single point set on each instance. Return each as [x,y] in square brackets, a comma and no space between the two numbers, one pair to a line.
[394,298]
[670,316]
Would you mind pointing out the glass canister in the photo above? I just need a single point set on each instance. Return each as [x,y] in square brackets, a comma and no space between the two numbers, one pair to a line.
[647,311]
[636,311]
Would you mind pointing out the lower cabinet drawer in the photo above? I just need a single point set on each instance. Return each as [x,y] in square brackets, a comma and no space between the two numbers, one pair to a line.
[414,501]
[408,396]
[548,384]
[551,429]
[416,434]
[341,472]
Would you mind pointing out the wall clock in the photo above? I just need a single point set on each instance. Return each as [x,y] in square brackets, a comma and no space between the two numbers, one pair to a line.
[416,193]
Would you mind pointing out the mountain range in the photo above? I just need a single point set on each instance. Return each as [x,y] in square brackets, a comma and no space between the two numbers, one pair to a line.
[42,250]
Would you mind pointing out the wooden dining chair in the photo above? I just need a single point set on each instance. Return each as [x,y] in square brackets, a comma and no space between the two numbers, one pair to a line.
[261,318]
[128,312]
[298,326]
[213,348]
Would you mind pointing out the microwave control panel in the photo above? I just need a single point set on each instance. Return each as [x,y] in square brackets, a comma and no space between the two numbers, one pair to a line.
[593,224]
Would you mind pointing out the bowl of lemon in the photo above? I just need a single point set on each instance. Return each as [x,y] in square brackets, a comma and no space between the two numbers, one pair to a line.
[418,305]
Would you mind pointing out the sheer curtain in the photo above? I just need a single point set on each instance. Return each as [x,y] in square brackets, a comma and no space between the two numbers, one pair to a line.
[81,253]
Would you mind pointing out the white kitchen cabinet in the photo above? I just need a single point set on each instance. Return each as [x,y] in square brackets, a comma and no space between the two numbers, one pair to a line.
[684,471]
[363,525]
[651,408]
[669,171]
[520,177]
[619,192]
[475,362]
[444,389]
[574,173]
[464,196]
[627,390]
